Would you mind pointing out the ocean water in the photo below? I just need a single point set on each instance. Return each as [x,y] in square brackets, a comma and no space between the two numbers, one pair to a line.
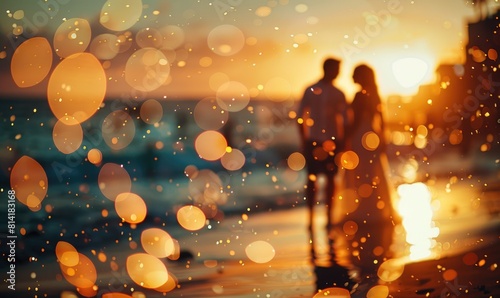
[72,209]
[27,126]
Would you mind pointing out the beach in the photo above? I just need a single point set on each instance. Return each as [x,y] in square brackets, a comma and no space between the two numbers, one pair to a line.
[261,205]
[161,149]
[213,271]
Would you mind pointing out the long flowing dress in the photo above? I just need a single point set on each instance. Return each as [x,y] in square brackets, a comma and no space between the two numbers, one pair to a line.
[363,207]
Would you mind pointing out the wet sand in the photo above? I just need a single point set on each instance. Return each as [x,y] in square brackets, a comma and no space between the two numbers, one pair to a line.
[214,263]
[220,268]
[291,274]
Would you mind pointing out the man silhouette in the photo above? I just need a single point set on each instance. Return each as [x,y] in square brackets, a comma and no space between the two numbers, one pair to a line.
[322,116]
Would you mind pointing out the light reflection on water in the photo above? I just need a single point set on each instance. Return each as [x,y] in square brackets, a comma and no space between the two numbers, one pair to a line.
[415,208]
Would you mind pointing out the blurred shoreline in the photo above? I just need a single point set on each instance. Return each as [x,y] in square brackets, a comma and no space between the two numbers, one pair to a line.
[464,187]
[216,272]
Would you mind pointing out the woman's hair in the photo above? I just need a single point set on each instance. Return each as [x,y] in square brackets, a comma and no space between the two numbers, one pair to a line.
[365,76]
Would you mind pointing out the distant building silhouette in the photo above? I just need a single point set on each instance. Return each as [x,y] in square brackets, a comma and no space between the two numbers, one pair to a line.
[464,99]
[482,80]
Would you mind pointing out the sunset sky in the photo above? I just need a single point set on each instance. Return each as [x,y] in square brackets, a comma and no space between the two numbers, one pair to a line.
[275,48]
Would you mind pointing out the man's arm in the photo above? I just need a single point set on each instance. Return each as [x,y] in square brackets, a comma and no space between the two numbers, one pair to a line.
[342,121]
[302,114]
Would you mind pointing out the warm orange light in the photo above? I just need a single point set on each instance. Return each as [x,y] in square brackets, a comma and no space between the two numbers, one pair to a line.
[226,40]
[205,187]
[333,292]
[120,15]
[113,180]
[390,270]
[104,46]
[118,130]
[147,270]
[72,36]
[76,88]
[209,115]
[370,141]
[350,227]
[173,37]
[233,160]
[31,62]
[157,242]
[116,295]
[210,145]
[130,207]
[349,160]
[260,251]
[67,138]
[67,254]
[232,96]
[169,285]
[278,89]
[151,111]
[82,275]
[29,180]
[94,156]
[378,291]
[416,210]
[147,69]
[191,218]
[296,161]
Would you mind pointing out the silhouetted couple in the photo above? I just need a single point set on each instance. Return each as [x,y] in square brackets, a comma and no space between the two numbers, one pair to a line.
[338,137]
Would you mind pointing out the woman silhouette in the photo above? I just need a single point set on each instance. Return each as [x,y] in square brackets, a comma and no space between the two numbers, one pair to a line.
[367,221]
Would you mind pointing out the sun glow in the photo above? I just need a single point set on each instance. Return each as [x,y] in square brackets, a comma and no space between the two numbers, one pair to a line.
[400,71]
[397,73]
[409,72]
[416,211]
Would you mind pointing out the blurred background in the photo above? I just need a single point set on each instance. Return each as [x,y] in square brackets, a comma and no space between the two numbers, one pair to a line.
[117,115]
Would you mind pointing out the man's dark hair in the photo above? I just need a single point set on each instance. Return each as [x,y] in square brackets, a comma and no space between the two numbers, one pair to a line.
[331,63]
